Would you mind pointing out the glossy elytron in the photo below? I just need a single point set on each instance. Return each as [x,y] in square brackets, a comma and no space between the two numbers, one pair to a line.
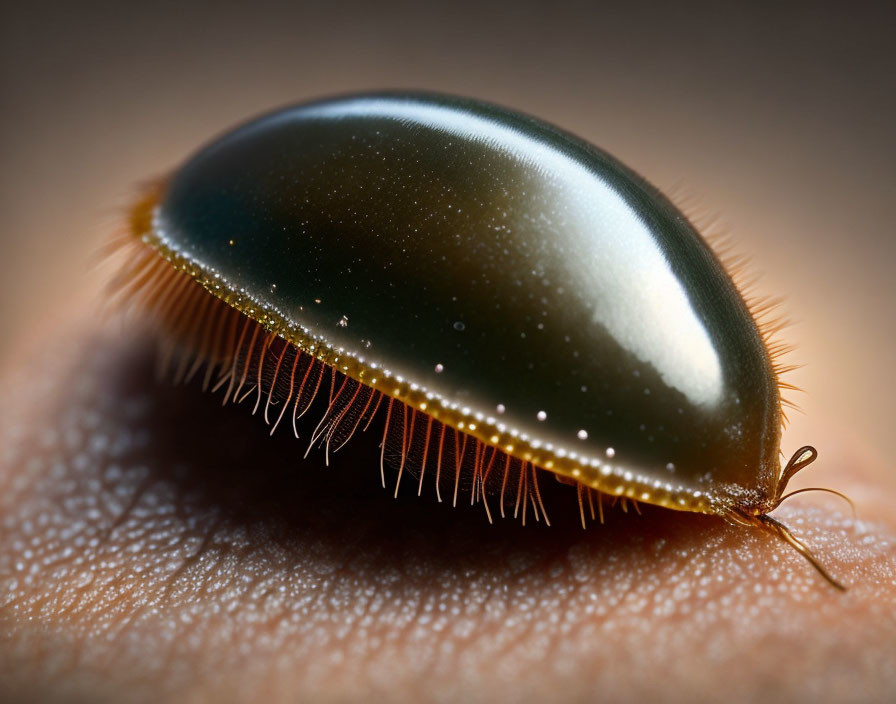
[504,276]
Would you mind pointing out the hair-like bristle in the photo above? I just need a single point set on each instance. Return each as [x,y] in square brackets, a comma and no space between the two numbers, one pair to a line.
[765,310]
[243,361]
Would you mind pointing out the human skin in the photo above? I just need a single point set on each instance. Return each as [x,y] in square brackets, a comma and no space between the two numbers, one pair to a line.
[154,545]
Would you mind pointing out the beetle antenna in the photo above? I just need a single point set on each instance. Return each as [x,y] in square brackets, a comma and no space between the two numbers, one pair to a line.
[801,458]
[769,524]
[784,533]
[819,488]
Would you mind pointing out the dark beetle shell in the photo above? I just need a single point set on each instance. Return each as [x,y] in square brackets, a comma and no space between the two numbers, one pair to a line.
[499,274]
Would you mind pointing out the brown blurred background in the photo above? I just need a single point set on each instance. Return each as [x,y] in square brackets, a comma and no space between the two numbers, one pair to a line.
[779,119]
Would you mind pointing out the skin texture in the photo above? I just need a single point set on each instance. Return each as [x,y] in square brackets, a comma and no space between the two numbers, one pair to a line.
[155,545]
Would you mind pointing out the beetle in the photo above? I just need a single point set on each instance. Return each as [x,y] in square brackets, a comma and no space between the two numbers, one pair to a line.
[511,299]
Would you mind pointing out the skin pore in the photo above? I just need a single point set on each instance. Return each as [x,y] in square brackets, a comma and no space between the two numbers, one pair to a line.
[154,545]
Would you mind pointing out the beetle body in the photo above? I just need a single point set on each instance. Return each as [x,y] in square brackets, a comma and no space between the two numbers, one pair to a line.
[487,273]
